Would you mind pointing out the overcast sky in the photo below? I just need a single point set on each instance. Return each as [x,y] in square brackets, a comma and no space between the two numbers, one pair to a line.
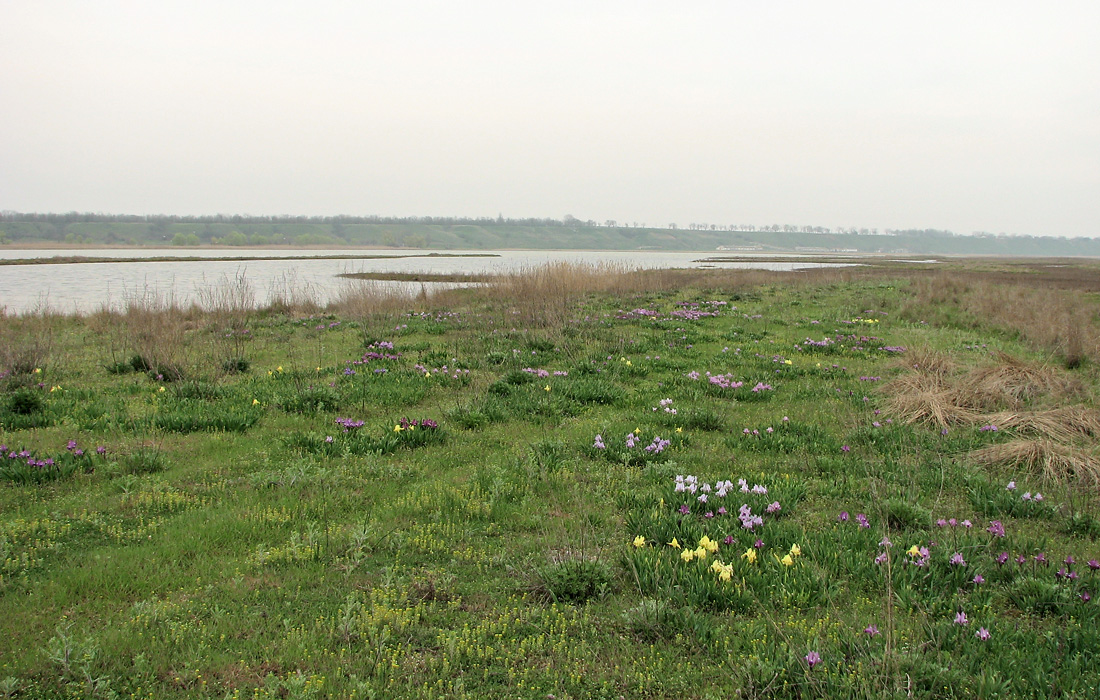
[953,115]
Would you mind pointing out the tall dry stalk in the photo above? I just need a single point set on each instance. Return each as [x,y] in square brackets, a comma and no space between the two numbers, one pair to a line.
[156,332]
[27,342]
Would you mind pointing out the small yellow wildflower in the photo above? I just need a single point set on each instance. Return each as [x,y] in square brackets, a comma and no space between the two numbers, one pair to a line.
[318,369]
[397,428]
[279,368]
[546,388]
[708,544]
[637,431]
[679,430]
[750,554]
[38,370]
[427,375]
[716,566]
[700,552]
[725,573]
[787,561]
[795,550]
[687,554]
[787,362]
[55,388]
[629,363]
[160,390]
[913,551]
[255,402]
[674,543]
[639,541]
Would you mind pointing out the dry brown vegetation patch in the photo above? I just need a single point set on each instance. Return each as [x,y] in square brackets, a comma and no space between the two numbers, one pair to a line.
[1012,382]
[926,399]
[1063,424]
[933,392]
[1045,458]
[927,361]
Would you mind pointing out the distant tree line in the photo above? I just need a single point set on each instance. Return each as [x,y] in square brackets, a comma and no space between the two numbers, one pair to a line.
[158,222]
[74,217]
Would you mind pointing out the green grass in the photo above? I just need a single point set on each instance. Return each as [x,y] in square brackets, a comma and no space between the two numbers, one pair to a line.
[468,536]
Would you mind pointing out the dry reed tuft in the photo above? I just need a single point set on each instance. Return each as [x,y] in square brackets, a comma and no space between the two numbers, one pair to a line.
[360,299]
[26,342]
[1062,424]
[543,296]
[928,361]
[1012,382]
[924,399]
[1044,458]
[288,295]
[156,332]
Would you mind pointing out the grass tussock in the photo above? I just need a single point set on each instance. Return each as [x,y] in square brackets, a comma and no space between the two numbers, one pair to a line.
[1063,424]
[26,342]
[544,295]
[926,399]
[934,393]
[1012,382]
[1043,458]
[154,333]
[363,298]
[929,362]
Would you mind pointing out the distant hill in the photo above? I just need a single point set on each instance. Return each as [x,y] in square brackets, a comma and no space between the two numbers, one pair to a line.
[492,234]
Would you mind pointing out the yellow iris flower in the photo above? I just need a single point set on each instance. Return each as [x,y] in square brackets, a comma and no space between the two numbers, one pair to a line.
[674,543]
[639,541]
[750,554]
[787,561]
[687,554]
[795,550]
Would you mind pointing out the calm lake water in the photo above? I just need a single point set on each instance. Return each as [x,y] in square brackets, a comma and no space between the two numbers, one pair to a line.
[84,287]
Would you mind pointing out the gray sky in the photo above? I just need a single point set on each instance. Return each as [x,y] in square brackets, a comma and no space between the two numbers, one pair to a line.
[958,115]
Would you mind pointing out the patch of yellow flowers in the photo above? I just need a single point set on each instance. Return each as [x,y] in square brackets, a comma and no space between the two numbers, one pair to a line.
[707,546]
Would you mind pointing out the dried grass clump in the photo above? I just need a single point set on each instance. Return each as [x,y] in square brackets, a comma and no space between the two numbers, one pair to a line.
[1012,382]
[928,361]
[155,330]
[1044,458]
[543,296]
[365,298]
[1062,424]
[26,342]
[926,399]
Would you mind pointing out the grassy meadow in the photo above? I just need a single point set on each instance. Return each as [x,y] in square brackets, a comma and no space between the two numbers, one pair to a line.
[573,482]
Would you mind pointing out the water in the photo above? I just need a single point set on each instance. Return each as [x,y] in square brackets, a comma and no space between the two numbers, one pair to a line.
[84,287]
